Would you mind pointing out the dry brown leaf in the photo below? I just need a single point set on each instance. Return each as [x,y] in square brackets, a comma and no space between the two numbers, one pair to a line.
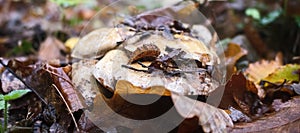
[242,94]
[66,88]
[210,118]
[235,86]
[51,49]
[259,70]
[232,54]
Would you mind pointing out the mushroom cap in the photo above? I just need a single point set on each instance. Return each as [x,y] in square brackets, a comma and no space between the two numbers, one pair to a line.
[108,71]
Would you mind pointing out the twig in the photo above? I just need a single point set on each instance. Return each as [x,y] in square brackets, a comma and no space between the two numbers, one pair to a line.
[69,109]
[19,78]
[132,68]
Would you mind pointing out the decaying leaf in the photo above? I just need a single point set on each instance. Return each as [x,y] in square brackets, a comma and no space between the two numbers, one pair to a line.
[238,116]
[287,72]
[235,86]
[259,70]
[144,52]
[242,94]
[51,49]
[66,88]
[211,118]
[232,54]
[40,82]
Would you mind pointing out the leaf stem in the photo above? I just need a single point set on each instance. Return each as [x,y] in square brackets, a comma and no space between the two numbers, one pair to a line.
[5,114]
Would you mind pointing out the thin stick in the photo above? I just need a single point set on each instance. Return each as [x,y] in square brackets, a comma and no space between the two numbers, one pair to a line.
[140,63]
[19,78]
[69,109]
[132,68]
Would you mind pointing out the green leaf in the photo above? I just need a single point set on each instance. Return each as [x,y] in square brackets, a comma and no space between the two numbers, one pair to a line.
[69,3]
[271,17]
[15,94]
[253,12]
[24,48]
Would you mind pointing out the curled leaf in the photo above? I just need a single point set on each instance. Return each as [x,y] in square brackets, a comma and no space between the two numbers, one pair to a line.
[211,118]
[66,88]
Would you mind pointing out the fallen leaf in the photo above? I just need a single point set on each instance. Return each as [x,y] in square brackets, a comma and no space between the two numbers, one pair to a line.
[235,86]
[242,95]
[244,43]
[66,88]
[238,116]
[210,118]
[232,54]
[259,70]
[51,49]
[287,72]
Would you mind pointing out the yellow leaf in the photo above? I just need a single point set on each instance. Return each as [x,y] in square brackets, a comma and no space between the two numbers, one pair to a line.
[71,42]
[287,72]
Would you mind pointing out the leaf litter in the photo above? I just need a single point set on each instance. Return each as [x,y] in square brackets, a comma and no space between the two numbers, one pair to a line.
[254,96]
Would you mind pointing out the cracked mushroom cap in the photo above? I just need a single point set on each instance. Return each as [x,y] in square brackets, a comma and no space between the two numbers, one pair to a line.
[108,71]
